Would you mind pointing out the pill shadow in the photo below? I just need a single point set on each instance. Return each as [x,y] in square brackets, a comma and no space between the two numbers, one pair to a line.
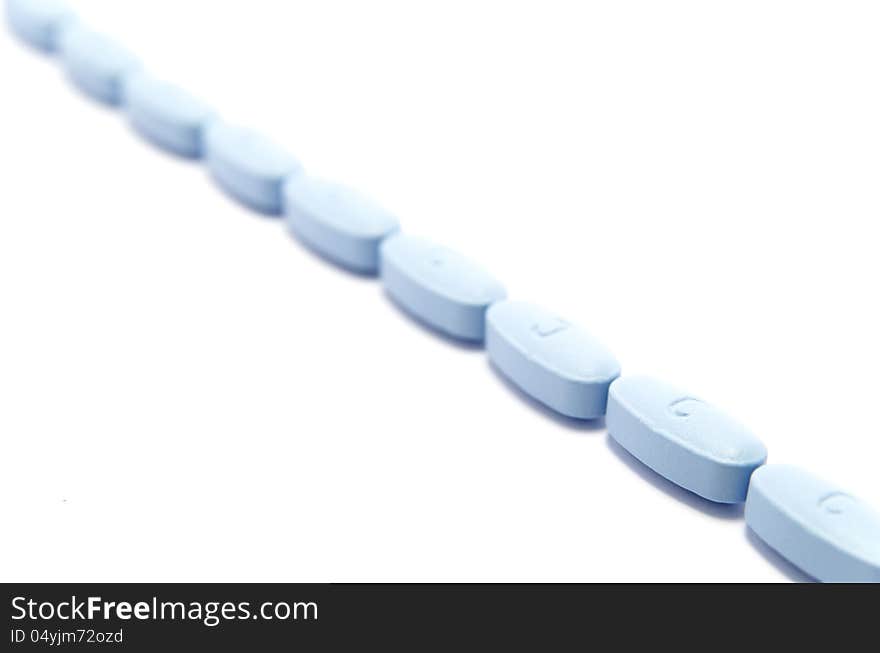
[321,257]
[153,144]
[38,53]
[572,423]
[269,214]
[720,510]
[89,100]
[452,341]
[792,573]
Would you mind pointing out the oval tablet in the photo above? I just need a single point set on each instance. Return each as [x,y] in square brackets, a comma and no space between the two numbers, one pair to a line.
[38,22]
[438,286]
[337,222]
[166,115]
[248,166]
[557,363]
[829,534]
[682,438]
[96,64]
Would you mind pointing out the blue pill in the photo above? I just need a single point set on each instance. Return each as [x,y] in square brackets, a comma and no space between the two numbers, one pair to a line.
[166,115]
[686,440]
[248,166]
[438,286]
[96,64]
[39,22]
[337,222]
[557,363]
[829,534]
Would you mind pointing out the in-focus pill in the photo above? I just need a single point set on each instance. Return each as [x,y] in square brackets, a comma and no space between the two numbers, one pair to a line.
[167,115]
[337,222]
[557,363]
[39,22]
[438,286]
[96,64]
[832,536]
[248,166]
[680,437]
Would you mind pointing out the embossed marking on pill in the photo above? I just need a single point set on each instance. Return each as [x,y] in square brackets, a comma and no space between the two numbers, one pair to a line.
[549,327]
[684,407]
[835,503]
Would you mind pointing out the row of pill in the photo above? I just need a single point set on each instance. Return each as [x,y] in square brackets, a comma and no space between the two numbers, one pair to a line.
[827,533]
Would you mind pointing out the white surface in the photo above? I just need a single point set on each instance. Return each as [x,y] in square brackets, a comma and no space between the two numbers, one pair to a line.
[187,394]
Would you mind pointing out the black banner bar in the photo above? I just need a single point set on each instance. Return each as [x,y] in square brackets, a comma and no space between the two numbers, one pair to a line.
[271,617]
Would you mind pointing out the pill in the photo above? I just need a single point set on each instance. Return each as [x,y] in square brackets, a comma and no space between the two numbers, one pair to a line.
[337,222]
[248,166]
[553,361]
[832,536]
[438,286]
[682,438]
[166,115]
[96,64]
[38,22]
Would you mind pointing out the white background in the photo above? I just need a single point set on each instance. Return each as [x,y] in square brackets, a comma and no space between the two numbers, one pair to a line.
[187,394]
